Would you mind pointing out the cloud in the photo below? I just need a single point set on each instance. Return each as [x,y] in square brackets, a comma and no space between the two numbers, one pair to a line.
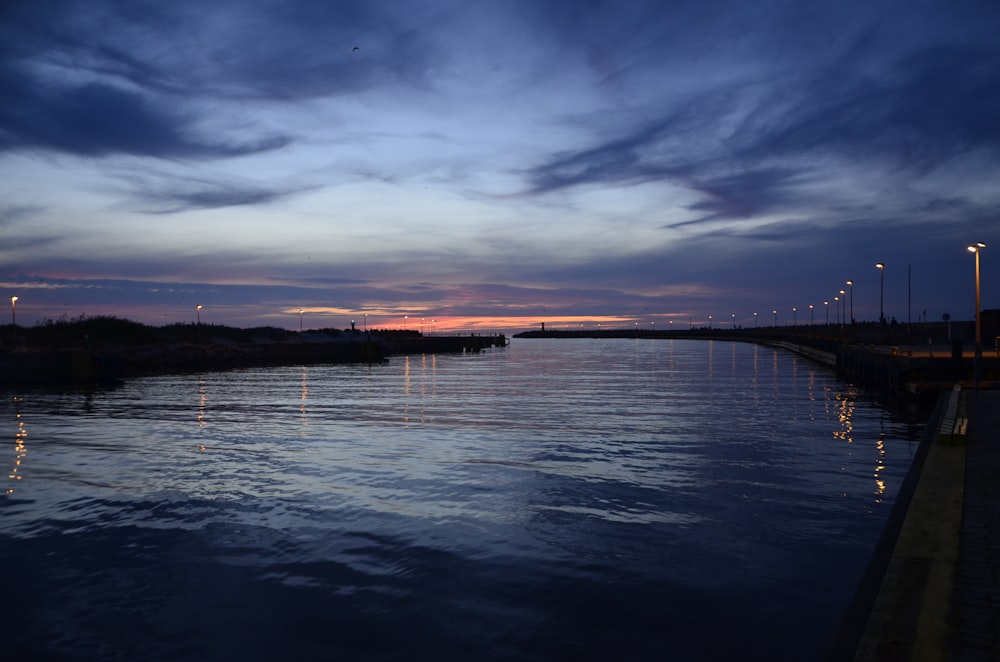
[187,195]
[12,214]
[745,194]
[98,120]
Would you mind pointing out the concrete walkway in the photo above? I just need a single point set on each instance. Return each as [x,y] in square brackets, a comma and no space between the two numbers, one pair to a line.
[976,592]
[939,598]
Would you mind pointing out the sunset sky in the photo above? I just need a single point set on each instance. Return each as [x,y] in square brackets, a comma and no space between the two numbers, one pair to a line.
[513,161]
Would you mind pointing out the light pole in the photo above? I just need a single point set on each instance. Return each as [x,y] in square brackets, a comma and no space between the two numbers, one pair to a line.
[843,302]
[836,303]
[775,312]
[733,315]
[812,316]
[881,288]
[198,313]
[795,316]
[975,248]
[827,304]
[755,319]
[850,285]
[300,320]
[366,322]
[13,318]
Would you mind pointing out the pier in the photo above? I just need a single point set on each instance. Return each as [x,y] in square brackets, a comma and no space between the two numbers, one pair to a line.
[933,588]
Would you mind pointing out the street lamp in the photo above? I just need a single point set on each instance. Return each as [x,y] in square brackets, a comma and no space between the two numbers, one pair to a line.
[733,315]
[812,316]
[881,297]
[975,248]
[755,319]
[850,285]
[795,316]
[836,303]
[775,311]
[13,317]
[300,320]
[843,302]
[198,313]
[827,304]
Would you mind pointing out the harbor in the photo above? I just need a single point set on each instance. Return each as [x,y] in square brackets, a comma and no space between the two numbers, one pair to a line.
[931,589]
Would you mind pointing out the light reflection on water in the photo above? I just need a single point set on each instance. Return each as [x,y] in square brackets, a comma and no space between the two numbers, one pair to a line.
[554,499]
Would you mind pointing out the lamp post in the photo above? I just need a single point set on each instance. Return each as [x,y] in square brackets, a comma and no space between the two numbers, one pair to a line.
[850,286]
[827,304]
[13,318]
[198,313]
[836,304]
[975,248]
[812,316]
[775,313]
[300,320]
[795,316]
[843,303]
[733,315]
[881,288]
[366,322]
[755,319]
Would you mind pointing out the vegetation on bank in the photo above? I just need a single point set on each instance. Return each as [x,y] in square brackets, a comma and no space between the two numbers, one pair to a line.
[109,331]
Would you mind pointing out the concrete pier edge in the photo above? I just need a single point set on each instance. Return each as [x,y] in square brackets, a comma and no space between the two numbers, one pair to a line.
[869,606]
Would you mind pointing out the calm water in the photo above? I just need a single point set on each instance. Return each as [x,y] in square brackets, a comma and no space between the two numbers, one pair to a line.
[557,499]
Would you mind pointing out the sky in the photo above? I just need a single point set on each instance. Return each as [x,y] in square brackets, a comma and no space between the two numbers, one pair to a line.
[487,165]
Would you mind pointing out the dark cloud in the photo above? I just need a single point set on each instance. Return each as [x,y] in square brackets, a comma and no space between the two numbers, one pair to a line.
[100,120]
[907,103]
[186,195]
[931,105]
[745,194]
[10,214]
[615,161]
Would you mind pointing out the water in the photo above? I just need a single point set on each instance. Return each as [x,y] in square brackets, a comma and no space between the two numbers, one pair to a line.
[557,499]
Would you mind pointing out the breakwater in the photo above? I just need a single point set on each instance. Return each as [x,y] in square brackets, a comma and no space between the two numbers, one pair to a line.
[111,363]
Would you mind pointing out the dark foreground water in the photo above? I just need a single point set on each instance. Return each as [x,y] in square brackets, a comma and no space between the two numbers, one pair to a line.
[557,499]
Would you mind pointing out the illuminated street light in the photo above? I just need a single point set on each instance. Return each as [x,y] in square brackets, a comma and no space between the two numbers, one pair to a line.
[836,303]
[198,313]
[843,303]
[300,320]
[755,319]
[366,322]
[775,311]
[13,317]
[733,315]
[827,304]
[881,296]
[795,316]
[975,248]
[812,316]
[850,285]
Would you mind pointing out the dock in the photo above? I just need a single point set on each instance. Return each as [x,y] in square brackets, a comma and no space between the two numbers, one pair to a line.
[939,595]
